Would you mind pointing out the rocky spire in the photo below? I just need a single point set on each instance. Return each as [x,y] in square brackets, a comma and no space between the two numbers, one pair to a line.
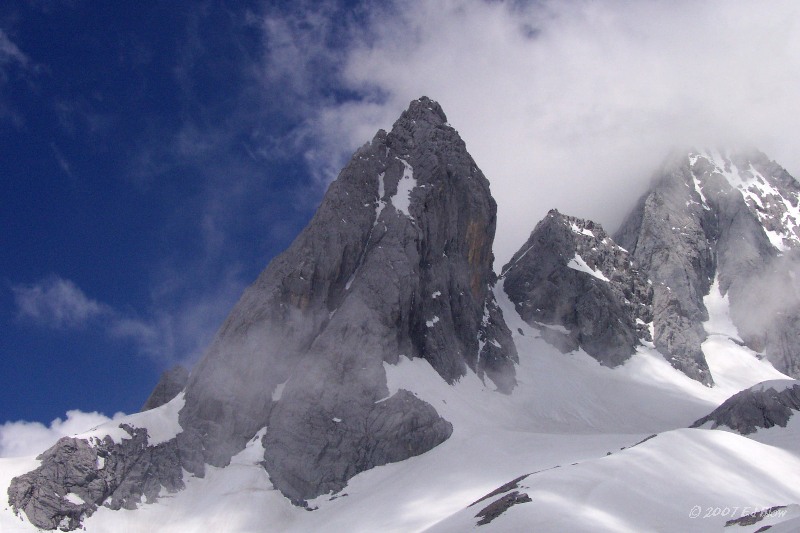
[396,262]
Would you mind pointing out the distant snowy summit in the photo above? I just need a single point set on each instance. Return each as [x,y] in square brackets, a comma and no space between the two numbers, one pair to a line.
[709,215]
[396,265]
[726,216]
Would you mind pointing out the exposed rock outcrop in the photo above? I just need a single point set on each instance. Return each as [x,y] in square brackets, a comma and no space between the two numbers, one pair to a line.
[768,404]
[78,475]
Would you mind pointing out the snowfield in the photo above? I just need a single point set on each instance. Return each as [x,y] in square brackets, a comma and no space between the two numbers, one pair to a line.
[603,450]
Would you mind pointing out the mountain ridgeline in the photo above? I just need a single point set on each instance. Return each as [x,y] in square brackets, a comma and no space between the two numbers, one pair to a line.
[397,263]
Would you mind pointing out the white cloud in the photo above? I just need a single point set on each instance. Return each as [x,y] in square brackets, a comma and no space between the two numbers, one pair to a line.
[56,303]
[20,438]
[572,104]
[62,161]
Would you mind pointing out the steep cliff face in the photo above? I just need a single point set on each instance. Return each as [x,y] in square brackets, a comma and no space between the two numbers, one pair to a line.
[397,261]
[580,289]
[670,236]
[733,216]
[760,275]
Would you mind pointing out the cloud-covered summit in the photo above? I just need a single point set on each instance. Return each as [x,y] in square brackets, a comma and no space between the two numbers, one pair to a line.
[569,104]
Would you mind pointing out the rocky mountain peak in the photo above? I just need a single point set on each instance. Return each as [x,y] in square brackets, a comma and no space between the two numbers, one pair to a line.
[572,282]
[424,110]
[397,262]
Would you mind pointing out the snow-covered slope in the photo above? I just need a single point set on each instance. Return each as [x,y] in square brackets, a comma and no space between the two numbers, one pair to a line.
[680,480]
[565,416]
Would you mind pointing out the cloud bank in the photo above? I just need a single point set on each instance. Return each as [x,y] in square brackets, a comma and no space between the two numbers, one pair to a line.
[568,104]
[20,438]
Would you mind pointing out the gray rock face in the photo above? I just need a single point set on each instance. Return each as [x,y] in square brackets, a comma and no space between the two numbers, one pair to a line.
[669,236]
[765,405]
[397,261]
[170,385]
[731,216]
[76,476]
[571,274]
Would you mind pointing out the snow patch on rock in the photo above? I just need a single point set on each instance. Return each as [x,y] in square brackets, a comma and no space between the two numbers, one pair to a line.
[577,263]
[402,200]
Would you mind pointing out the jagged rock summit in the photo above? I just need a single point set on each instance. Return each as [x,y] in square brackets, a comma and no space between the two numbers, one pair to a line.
[574,284]
[397,262]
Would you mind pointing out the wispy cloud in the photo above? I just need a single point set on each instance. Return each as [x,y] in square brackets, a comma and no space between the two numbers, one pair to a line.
[12,60]
[181,322]
[10,52]
[61,160]
[57,303]
[176,329]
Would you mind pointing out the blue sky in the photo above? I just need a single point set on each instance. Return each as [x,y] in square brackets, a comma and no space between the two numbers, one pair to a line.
[140,192]
[156,155]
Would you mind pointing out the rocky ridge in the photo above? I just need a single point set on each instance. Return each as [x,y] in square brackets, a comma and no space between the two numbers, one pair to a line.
[762,406]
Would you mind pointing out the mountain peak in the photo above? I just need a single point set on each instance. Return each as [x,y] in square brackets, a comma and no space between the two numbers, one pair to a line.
[396,264]
[426,110]
[579,289]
